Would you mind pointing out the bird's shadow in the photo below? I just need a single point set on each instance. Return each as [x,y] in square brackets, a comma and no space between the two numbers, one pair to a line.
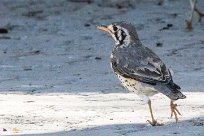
[190,127]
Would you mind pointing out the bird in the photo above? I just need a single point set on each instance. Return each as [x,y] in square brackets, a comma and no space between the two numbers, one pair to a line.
[139,69]
[194,9]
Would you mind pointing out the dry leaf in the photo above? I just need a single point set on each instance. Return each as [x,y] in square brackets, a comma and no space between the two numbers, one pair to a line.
[15,130]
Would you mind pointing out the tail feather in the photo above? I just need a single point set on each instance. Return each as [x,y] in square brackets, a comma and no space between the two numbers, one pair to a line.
[175,94]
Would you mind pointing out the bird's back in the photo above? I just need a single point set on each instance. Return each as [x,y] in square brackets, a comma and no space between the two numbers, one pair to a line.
[138,62]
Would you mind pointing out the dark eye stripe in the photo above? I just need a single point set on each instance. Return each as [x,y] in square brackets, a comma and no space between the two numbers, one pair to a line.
[116,35]
[115,28]
[120,36]
[123,36]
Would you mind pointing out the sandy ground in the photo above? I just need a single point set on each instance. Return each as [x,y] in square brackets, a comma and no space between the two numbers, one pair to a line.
[86,114]
[56,78]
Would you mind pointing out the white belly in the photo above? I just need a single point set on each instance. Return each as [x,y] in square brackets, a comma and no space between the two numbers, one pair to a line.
[139,88]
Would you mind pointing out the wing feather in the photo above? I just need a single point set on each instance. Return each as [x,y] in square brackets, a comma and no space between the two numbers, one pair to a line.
[140,64]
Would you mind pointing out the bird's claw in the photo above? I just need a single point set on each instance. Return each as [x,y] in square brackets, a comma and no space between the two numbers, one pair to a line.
[174,111]
[154,123]
[189,24]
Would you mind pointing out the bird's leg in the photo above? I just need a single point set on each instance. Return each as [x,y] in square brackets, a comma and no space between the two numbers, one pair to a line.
[153,122]
[189,22]
[174,110]
[193,8]
[199,13]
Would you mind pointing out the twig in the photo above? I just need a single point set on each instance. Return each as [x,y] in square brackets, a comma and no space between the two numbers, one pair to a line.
[200,14]
[193,8]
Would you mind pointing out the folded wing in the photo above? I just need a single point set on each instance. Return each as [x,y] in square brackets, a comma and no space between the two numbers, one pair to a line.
[142,65]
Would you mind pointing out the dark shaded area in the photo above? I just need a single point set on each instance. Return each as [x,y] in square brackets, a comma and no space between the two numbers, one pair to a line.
[3,31]
[192,127]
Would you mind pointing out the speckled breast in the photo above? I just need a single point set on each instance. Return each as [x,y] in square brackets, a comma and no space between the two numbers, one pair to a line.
[137,87]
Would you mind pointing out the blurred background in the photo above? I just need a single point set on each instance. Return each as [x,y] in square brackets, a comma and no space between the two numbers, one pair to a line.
[54,46]
[55,75]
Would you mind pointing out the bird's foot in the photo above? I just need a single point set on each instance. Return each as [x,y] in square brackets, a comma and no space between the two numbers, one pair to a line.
[194,9]
[174,111]
[189,25]
[154,123]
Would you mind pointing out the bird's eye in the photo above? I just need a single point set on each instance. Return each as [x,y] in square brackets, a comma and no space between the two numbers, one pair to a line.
[115,28]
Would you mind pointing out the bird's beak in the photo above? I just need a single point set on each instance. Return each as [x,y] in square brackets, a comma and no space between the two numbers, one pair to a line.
[103,28]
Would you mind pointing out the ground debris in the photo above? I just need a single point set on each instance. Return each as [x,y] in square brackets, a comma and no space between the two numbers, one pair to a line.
[15,130]
[3,31]
[29,53]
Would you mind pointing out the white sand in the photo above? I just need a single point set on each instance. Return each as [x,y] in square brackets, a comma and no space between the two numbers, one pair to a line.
[51,83]
[97,114]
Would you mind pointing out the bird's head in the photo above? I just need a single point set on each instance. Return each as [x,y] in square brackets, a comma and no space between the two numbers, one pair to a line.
[123,33]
